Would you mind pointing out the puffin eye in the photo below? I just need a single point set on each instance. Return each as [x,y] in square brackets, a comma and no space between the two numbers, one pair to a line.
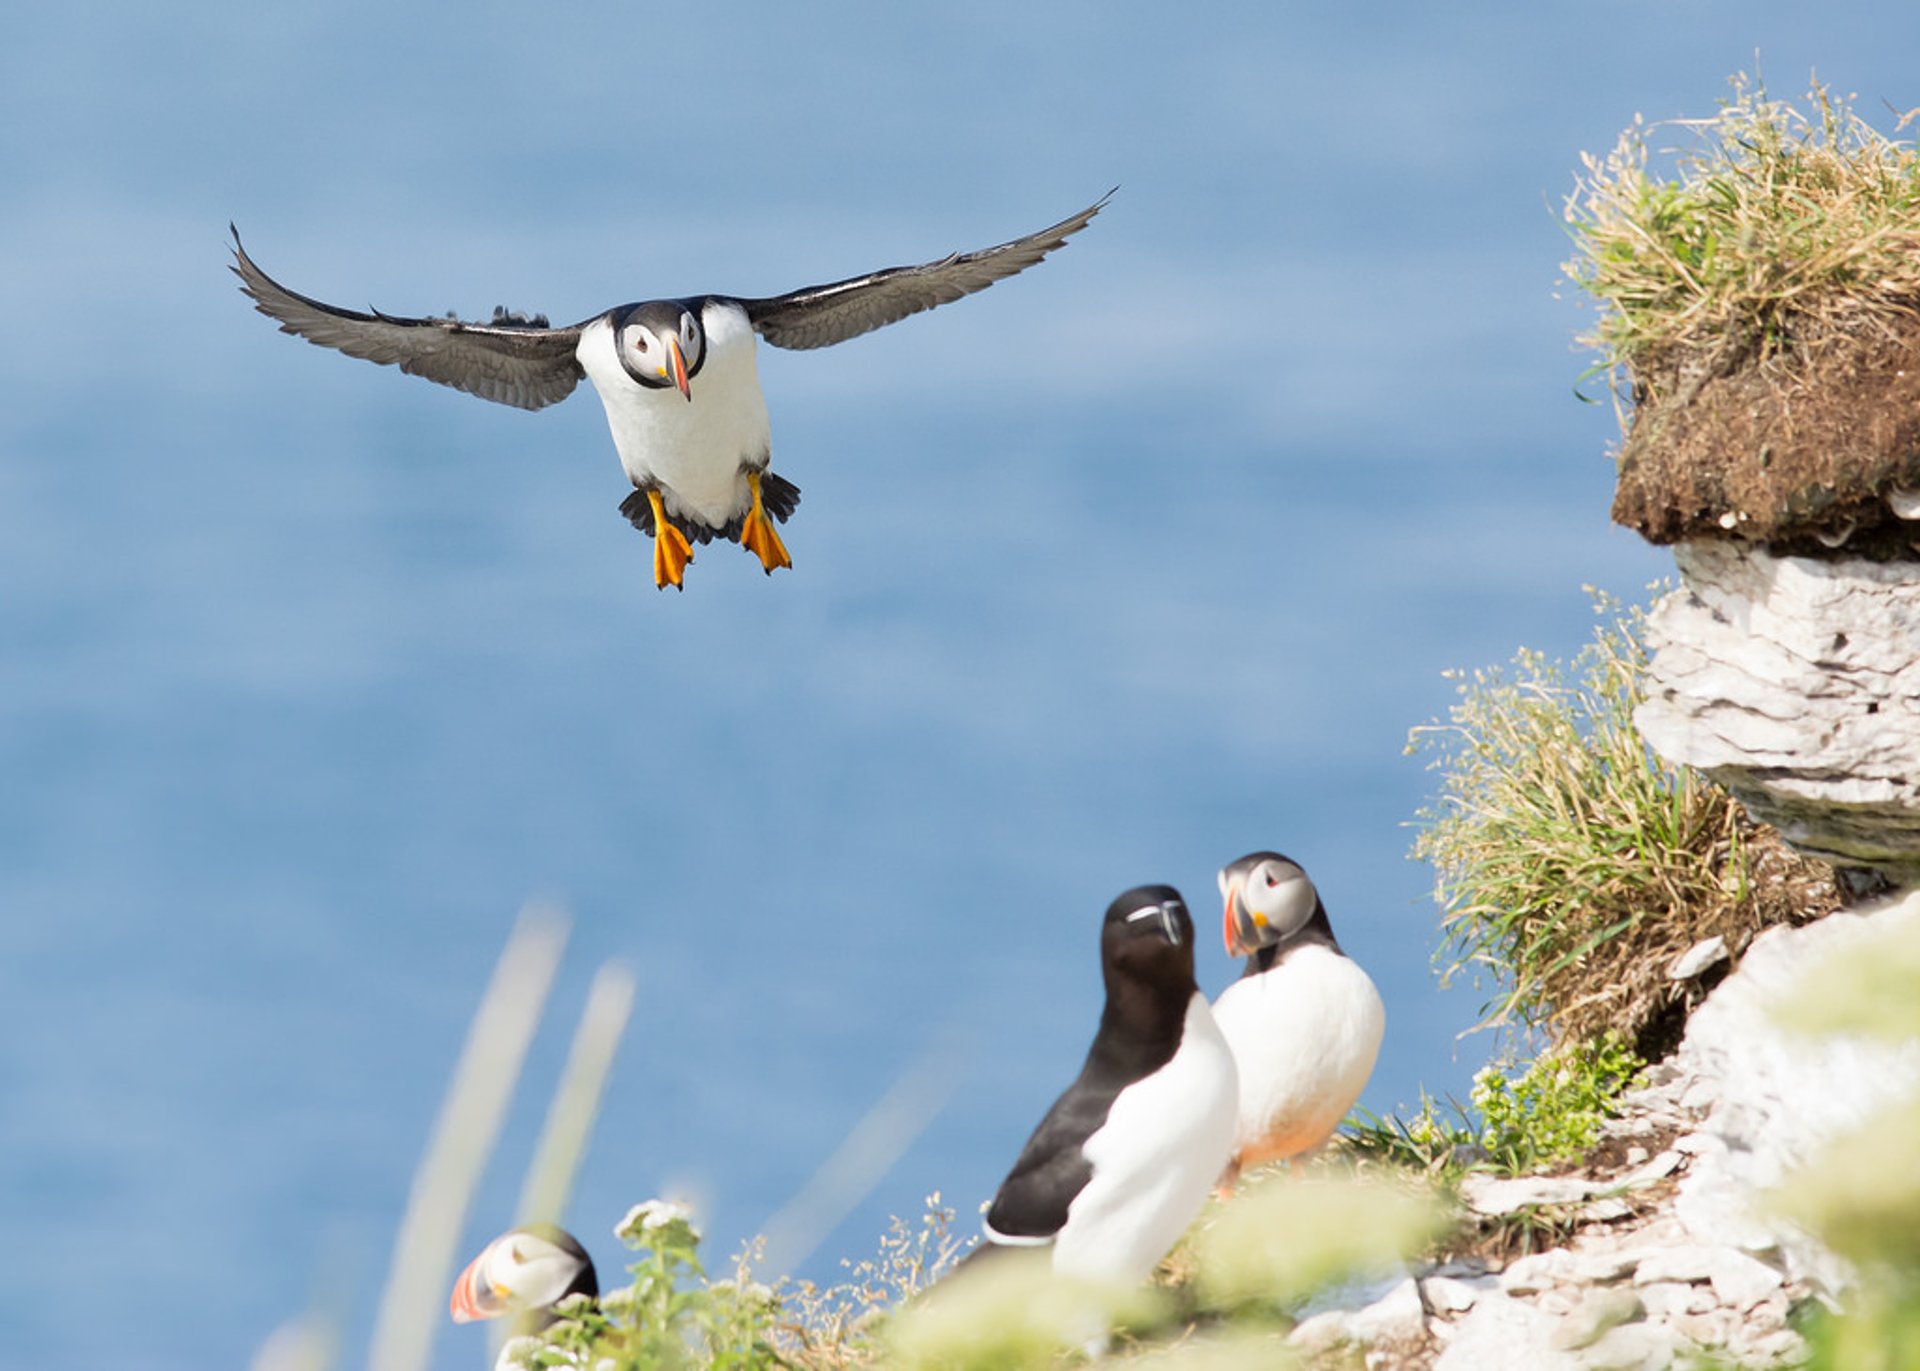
[640,342]
[1272,880]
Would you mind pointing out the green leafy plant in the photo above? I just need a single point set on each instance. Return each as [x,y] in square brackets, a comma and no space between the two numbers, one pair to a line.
[1552,1111]
[1572,865]
[671,1316]
[1775,222]
[1547,1113]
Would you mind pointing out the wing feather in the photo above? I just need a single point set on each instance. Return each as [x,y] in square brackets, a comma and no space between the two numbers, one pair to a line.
[817,316]
[512,360]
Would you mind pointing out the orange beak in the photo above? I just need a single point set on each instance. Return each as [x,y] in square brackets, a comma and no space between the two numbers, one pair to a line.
[679,366]
[1239,925]
[472,1299]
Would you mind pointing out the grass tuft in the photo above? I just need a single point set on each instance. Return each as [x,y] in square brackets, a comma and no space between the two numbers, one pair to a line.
[1775,224]
[1572,864]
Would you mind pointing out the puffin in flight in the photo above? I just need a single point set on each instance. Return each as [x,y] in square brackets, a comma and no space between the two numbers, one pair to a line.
[1304,1021]
[1124,1159]
[524,1271]
[677,377]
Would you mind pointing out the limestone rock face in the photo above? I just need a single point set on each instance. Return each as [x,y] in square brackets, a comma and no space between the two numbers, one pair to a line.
[1795,683]
[1698,1263]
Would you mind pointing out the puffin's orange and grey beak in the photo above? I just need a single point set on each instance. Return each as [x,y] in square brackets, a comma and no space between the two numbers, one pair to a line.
[1240,926]
[474,1297]
[679,361]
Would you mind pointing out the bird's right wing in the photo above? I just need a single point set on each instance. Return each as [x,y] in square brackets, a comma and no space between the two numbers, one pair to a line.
[512,360]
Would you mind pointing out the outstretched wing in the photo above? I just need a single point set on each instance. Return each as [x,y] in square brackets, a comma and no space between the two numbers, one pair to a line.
[819,315]
[513,360]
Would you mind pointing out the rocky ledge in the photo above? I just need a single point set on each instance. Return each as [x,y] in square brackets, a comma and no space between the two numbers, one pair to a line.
[1795,683]
[1664,1246]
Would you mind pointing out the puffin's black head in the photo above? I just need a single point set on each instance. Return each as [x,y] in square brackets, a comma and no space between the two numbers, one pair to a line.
[1268,900]
[661,343]
[529,1268]
[1148,930]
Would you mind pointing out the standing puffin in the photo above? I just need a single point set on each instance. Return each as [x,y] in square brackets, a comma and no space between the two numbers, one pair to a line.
[524,1271]
[677,377]
[1304,1020]
[1125,1158]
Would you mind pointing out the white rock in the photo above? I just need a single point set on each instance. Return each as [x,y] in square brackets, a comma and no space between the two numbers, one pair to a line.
[1904,501]
[1453,1295]
[1707,1328]
[1539,1272]
[1397,1316]
[1505,1195]
[1631,1347]
[1795,682]
[1657,1168]
[1664,1299]
[1606,1209]
[1781,1348]
[1596,1312]
[1503,1334]
[1782,1096]
[1742,1281]
[1598,1266]
[1706,953]
[1321,1333]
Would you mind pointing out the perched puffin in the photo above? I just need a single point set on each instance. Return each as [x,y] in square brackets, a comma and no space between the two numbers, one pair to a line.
[524,1271]
[1304,1020]
[677,377]
[1123,1161]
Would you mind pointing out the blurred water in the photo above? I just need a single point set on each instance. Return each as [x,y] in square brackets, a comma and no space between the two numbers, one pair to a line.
[313,673]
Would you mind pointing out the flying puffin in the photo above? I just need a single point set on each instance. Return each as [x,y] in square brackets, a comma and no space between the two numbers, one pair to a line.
[524,1271]
[677,377]
[1125,1158]
[1304,1021]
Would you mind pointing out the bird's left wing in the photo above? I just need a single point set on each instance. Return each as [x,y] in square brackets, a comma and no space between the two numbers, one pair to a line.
[512,360]
[819,315]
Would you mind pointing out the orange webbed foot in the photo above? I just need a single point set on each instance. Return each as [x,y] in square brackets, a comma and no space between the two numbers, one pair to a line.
[671,550]
[757,533]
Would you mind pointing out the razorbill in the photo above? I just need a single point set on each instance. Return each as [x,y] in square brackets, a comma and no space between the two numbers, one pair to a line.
[1124,1159]
[677,377]
[1304,1021]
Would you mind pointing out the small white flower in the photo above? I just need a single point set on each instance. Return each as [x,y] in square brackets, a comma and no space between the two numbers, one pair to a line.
[653,1215]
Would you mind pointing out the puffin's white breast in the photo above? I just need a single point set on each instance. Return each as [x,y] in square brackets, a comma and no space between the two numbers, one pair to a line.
[1305,1035]
[696,451]
[1166,1140]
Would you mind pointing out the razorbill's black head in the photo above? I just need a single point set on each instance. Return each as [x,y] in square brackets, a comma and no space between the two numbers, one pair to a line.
[678,378]
[1304,1021]
[526,1270]
[1123,1160]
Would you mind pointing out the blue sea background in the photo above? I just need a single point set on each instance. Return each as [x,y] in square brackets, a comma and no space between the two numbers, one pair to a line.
[311,674]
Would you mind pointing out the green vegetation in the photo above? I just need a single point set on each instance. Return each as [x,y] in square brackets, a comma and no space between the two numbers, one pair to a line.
[1778,224]
[1572,865]
[1547,1114]
[1276,1243]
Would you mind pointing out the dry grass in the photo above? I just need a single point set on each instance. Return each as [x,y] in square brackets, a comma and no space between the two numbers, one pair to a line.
[1776,224]
[1573,865]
